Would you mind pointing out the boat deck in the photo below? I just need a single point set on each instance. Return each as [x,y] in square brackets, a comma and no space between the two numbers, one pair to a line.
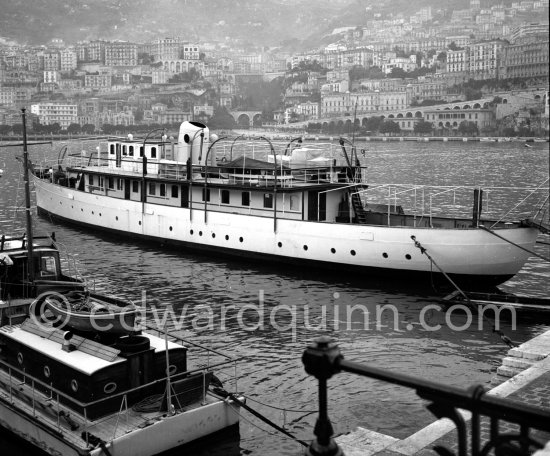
[45,405]
[70,424]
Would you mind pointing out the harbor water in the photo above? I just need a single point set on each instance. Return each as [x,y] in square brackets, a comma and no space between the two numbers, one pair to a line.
[299,305]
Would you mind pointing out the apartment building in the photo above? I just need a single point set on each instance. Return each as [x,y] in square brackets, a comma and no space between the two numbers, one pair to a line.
[52,76]
[98,81]
[95,51]
[68,60]
[335,104]
[52,61]
[50,113]
[526,59]
[120,54]
[484,58]
[458,61]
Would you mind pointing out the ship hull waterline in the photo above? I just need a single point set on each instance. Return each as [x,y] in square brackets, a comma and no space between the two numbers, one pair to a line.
[472,257]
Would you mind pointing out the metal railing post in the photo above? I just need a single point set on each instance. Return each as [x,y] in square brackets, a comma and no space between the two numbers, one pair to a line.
[320,361]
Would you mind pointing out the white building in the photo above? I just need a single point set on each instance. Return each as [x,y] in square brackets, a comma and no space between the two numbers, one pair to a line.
[50,113]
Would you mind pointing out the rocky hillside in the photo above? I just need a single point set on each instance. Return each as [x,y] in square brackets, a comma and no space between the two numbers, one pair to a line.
[258,22]
[255,21]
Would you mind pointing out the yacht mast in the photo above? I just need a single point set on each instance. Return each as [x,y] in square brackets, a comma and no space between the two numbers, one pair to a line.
[30,241]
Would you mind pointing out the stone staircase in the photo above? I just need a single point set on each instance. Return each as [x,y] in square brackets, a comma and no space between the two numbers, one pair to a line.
[523,357]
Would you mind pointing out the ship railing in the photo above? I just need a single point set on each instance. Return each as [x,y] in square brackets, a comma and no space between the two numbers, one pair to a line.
[39,394]
[427,204]
[323,360]
[204,356]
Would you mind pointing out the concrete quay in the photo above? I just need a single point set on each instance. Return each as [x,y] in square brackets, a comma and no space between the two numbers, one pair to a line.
[524,377]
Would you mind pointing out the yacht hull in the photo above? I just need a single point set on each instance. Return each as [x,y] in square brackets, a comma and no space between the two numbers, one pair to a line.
[470,255]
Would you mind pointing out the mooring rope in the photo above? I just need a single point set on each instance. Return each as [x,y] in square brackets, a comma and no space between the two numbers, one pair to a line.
[265,419]
[278,408]
[513,243]
[503,336]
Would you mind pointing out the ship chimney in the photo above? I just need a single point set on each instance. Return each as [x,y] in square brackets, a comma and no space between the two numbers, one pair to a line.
[193,142]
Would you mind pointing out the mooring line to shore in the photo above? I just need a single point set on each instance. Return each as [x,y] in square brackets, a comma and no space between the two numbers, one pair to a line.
[265,419]
[503,336]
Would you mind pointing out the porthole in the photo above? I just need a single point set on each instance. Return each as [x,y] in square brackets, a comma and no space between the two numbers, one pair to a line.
[213,235]
[200,233]
[47,372]
[333,250]
[191,232]
[60,203]
[172,369]
[116,218]
[305,247]
[407,256]
[72,207]
[74,385]
[100,214]
[20,358]
[170,228]
[139,223]
[227,237]
[109,388]
[93,212]
[241,239]
[352,252]
[280,244]
[81,210]
[385,255]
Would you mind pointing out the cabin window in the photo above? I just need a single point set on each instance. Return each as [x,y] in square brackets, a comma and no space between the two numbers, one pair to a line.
[112,149]
[74,385]
[111,183]
[225,196]
[91,179]
[294,203]
[119,184]
[110,388]
[152,188]
[245,199]
[206,194]
[124,152]
[153,152]
[131,151]
[141,151]
[175,191]
[268,200]
[135,186]
[162,189]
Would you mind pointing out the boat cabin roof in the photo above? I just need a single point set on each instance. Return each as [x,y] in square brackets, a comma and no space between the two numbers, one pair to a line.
[85,362]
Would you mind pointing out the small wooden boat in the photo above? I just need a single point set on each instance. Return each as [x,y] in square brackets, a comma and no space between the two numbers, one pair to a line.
[522,303]
[86,312]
